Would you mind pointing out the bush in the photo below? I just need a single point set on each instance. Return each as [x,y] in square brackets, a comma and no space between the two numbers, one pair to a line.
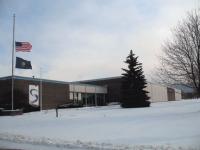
[135,104]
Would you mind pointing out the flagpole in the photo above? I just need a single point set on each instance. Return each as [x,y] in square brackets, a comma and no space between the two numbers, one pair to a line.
[40,89]
[13,52]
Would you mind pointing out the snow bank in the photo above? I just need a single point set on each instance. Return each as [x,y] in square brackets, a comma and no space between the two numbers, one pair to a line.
[83,145]
[167,125]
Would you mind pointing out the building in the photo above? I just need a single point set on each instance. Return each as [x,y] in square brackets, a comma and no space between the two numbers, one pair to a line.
[49,94]
[188,92]
[157,93]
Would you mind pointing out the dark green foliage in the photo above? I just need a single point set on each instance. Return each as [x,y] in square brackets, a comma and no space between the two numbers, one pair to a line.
[133,84]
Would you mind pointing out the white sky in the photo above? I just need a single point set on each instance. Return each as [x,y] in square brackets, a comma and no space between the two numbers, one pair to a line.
[86,39]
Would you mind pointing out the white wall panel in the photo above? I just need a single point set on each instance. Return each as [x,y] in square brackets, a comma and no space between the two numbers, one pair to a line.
[157,93]
[101,89]
[178,94]
[90,89]
[79,96]
[71,96]
[84,88]
[71,87]
[79,88]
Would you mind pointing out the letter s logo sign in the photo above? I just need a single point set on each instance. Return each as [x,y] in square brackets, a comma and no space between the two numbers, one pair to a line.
[34,92]
[34,95]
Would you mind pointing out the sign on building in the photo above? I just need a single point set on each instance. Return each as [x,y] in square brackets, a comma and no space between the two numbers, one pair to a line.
[34,95]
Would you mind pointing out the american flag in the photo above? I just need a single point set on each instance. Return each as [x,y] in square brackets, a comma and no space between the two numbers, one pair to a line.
[23,46]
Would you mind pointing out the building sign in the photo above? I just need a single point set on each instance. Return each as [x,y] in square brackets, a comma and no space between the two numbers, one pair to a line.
[34,95]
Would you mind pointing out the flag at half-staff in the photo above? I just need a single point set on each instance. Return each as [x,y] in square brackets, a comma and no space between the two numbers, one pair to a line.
[23,46]
[22,64]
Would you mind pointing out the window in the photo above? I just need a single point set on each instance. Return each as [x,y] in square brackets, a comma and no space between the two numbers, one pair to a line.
[71,96]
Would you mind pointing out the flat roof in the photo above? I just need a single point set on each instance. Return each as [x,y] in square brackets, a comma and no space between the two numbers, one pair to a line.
[100,79]
[33,79]
[74,82]
[118,77]
[47,80]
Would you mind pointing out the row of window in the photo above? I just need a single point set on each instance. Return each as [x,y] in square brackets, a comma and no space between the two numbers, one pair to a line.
[88,98]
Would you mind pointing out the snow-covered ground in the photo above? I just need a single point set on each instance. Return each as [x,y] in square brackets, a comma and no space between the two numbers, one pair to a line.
[167,125]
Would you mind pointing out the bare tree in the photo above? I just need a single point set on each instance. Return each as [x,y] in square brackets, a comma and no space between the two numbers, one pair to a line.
[181,60]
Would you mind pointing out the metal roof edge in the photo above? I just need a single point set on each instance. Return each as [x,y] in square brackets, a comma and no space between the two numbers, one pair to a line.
[116,77]
[100,79]
[85,84]
[33,79]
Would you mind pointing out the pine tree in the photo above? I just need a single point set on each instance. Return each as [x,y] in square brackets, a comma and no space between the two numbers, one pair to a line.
[133,84]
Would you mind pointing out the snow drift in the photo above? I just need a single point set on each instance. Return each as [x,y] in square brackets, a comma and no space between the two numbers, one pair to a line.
[167,125]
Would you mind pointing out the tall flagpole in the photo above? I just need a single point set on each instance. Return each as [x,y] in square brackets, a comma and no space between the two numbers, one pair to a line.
[13,52]
[40,89]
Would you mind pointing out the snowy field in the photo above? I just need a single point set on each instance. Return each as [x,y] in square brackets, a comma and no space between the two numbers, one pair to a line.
[167,125]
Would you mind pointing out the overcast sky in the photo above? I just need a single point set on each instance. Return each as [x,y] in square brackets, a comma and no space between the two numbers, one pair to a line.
[87,39]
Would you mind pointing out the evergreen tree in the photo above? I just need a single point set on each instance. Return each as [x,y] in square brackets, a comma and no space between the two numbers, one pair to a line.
[133,84]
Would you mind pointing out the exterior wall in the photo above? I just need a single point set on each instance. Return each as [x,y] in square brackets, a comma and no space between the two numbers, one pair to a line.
[20,93]
[83,88]
[113,88]
[171,94]
[57,93]
[187,95]
[21,97]
[157,93]
[178,94]
[87,95]
[5,93]
[53,94]
[187,92]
